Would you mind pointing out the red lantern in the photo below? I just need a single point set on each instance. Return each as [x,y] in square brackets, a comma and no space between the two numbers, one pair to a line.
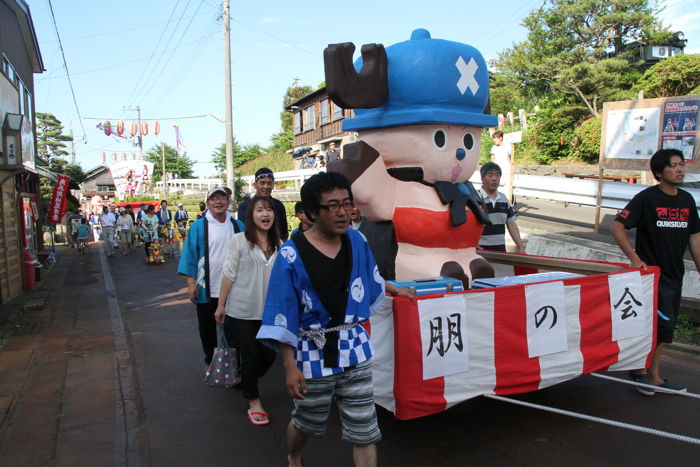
[108,128]
[133,129]
[120,127]
[123,156]
[156,130]
[144,128]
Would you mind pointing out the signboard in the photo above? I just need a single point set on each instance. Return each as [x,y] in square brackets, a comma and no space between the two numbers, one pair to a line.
[131,177]
[58,199]
[679,126]
[513,137]
[27,137]
[632,131]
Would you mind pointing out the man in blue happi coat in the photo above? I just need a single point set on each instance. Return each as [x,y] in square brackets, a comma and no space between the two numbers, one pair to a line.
[324,285]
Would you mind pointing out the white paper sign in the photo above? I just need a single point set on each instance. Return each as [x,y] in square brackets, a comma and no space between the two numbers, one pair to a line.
[512,138]
[627,305]
[546,318]
[443,334]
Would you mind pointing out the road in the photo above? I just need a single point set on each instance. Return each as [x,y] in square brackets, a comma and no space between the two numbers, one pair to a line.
[113,377]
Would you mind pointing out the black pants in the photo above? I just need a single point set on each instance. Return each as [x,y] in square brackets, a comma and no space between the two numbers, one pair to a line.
[207,327]
[255,357]
[145,248]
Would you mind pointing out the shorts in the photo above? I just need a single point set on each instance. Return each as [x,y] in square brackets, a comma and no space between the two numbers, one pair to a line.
[353,392]
[669,306]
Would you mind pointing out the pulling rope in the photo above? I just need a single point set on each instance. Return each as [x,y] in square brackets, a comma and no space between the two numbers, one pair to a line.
[604,421]
[648,386]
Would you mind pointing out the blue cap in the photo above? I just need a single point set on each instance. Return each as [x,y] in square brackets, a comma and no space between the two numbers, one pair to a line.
[430,81]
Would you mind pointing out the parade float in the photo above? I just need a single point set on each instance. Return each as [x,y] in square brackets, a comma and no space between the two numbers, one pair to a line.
[522,323]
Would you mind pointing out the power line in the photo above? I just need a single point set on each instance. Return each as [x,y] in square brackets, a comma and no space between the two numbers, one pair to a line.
[116,65]
[138,81]
[117,31]
[65,65]
[148,119]
[276,38]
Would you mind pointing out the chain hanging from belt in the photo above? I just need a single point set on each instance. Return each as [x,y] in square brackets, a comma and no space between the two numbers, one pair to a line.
[319,335]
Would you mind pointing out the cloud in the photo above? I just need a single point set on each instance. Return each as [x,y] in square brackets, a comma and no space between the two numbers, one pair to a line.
[272,19]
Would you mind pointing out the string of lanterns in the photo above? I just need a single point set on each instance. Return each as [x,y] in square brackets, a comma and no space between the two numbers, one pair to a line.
[134,130]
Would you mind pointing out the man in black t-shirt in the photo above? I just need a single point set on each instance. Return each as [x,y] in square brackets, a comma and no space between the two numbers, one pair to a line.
[667,223]
[264,183]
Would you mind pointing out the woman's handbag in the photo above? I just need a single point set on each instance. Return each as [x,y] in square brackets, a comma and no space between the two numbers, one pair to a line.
[223,370]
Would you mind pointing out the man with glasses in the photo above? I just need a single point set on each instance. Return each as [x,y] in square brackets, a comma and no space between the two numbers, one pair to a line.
[323,287]
[264,183]
[202,263]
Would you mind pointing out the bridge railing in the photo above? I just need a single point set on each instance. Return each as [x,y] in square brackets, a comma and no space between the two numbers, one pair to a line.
[567,190]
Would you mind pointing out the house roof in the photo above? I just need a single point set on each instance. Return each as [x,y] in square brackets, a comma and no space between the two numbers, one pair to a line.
[308,98]
[21,10]
[96,171]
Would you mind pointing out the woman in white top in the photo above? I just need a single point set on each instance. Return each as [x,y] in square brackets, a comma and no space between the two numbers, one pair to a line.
[125,225]
[249,260]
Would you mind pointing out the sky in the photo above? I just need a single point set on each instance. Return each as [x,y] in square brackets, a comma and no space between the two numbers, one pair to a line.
[167,57]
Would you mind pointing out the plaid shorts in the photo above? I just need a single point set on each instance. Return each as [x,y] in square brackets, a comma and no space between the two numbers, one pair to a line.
[354,395]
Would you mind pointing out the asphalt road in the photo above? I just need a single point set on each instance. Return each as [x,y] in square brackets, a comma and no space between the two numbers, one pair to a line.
[178,421]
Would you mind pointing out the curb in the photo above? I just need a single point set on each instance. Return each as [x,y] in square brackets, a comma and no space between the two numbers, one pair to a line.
[684,348]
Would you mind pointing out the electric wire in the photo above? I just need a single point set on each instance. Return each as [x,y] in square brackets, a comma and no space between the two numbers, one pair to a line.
[65,65]
[138,81]
[153,77]
[275,37]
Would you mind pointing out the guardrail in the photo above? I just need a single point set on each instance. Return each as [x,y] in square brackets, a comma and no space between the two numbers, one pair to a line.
[566,190]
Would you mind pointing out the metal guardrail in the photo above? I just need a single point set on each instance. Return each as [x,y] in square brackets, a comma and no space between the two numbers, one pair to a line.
[567,190]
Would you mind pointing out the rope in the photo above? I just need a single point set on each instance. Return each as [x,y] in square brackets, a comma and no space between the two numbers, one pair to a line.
[604,421]
[648,386]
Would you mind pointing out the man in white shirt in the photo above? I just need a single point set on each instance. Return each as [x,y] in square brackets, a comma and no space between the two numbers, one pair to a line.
[108,222]
[501,155]
[202,263]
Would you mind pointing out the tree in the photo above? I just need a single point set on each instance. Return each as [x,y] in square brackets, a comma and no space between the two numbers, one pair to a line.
[175,163]
[284,140]
[577,47]
[241,155]
[675,76]
[50,138]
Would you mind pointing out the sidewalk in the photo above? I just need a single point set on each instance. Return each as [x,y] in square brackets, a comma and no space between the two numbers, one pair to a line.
[57,373]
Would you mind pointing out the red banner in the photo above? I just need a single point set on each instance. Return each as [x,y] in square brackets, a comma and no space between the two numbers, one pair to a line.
[59,203]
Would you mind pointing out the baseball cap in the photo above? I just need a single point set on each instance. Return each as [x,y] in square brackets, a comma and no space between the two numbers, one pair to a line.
[216,189]
[180,205]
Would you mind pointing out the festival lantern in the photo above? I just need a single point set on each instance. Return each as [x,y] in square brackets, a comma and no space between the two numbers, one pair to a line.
[133,156]
[102,157]
[108,128]
[120,127]
[156,129]
[114,157]
[133,129]
[123,156]
[144,128]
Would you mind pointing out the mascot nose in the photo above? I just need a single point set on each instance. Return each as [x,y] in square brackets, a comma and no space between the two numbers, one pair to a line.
[460,154]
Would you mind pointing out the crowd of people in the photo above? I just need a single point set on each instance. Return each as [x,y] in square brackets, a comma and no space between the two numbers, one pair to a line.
[273,292]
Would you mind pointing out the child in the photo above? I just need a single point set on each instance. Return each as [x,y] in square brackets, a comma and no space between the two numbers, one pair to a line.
[169,239]
[155,255]
[180,235]
[83,233]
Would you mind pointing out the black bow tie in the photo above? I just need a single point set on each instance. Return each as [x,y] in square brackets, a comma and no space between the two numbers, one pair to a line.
[459,195]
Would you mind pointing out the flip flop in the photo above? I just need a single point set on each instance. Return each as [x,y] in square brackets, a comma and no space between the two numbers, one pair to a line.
[264,418]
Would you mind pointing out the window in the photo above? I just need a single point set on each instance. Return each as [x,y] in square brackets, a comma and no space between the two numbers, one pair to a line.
[337,112]
[324,112]
[105,188]
[297,123]
[9,71]
[309,119]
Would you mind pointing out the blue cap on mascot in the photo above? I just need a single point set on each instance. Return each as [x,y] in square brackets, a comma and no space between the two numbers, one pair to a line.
[430,81]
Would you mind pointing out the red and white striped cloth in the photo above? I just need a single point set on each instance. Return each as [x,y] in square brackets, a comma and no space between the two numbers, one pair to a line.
[496,343]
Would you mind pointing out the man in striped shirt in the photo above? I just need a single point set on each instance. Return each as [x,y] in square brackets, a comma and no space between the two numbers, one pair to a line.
[500,212]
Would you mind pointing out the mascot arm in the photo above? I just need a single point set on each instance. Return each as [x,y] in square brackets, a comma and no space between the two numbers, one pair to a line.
[372,187]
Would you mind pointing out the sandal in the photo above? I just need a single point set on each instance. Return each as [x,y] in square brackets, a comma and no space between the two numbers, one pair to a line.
[263,418]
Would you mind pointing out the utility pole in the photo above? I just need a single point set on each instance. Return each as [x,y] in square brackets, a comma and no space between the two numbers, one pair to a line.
[164,178]
[229,110]
[72,147]
[139,138]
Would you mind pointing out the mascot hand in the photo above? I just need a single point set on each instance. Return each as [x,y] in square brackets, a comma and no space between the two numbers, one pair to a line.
[357,157]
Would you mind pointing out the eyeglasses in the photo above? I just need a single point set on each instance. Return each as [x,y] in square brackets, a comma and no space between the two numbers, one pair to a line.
[335,206]
[218,198]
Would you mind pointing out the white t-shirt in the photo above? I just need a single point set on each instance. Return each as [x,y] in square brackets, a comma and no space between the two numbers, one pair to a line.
[502,158]
[220,234]
[246,299]
[108,219]
[125,222]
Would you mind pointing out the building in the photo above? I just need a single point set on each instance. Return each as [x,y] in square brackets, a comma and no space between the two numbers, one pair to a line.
[19,174]
[98,182]
[318,122]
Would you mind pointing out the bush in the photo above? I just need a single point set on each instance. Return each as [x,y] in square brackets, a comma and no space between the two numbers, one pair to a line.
[587,140]
[554,132]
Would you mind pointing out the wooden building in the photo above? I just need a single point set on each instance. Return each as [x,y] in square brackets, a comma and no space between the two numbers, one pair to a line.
[20,221]
[318,122]
[98,181]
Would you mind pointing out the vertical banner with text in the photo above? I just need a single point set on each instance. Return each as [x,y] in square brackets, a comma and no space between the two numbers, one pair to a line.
[59,203]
